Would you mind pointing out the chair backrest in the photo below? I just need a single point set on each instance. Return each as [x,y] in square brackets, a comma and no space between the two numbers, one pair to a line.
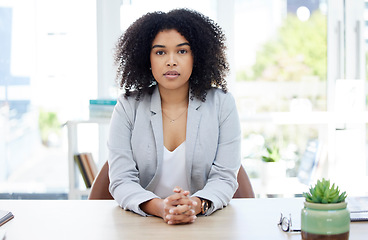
[100,186]
[245,189]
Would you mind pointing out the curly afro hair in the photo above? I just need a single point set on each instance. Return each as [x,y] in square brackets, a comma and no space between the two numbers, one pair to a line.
[206,39]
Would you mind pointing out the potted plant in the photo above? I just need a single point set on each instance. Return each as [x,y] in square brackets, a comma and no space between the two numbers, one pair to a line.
[325,214]
[272,167]
[273,154]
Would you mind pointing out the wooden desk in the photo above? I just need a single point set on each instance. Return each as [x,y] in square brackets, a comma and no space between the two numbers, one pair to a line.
[83,219]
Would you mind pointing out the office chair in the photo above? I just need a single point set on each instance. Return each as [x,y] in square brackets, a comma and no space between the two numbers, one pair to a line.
[100,186]
[245,189]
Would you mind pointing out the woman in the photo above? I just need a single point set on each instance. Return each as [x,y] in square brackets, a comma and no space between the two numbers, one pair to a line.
[174,142]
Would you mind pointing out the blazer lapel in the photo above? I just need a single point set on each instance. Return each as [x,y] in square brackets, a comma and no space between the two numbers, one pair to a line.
[194,117]
[156,123]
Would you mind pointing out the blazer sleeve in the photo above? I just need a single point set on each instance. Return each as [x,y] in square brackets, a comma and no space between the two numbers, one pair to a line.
[222,179]
[123,172]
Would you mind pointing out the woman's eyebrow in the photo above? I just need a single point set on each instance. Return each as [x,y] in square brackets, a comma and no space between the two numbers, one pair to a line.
[163,46]
[158,46]
[183,44]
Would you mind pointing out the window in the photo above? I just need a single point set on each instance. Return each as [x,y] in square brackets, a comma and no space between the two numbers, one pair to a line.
[297,66]
[48,74]
[298,73]
[281,56]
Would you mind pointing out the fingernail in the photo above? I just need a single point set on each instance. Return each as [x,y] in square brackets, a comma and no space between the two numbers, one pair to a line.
[166,200]
[176,189]
[168,217]
[194,203]
[171,211]
[169,222]
[192,211]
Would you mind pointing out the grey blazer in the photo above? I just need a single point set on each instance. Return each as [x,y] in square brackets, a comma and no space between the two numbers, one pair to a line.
[136,148]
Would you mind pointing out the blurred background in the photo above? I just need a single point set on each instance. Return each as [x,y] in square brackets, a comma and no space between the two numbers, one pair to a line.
[298,73]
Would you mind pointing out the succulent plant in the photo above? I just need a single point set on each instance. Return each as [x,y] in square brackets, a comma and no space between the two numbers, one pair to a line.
[323,193]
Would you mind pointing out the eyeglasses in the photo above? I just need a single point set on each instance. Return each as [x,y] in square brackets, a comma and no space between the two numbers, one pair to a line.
[285,224]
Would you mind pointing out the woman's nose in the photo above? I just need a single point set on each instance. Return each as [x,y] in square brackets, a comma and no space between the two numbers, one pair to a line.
[171,61]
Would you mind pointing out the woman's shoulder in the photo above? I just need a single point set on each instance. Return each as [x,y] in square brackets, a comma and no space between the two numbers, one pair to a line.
[218,95]
[132,101]
[125,99]
[134,96]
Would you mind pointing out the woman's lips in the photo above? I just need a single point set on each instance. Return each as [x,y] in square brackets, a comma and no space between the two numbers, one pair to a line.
[171,74]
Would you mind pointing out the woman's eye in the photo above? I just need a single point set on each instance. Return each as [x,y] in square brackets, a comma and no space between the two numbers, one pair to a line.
[160,52]
[183,51]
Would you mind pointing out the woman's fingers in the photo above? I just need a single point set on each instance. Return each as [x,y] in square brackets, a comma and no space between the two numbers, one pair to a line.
[179,193]
[177,198]
[179,207]
[179,214]
[180,190]
[177,189]
[182,209]
[180,219]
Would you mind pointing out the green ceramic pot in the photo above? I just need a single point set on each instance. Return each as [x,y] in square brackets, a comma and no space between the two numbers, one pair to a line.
[325,221]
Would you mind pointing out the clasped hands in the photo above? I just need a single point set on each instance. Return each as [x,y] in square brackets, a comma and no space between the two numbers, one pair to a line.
[180,208]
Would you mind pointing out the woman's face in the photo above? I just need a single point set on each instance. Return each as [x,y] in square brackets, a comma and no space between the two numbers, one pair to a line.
[171,60]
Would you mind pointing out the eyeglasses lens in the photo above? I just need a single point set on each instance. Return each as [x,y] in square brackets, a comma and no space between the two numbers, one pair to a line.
[285,224]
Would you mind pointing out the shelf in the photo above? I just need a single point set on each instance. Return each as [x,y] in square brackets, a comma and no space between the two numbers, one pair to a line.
[92,120]
[75,189]
[306,117]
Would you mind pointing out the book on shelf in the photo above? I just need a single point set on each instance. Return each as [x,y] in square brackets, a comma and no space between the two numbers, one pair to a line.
[92,164]
[82,170]
[87,167]
[106,102]
[101,108]
[5,216]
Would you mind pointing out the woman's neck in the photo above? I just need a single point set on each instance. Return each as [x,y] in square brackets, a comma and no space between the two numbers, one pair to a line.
[174,98]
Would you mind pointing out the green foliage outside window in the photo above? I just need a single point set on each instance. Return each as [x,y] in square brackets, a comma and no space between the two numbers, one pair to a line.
[48,124]
[298,49]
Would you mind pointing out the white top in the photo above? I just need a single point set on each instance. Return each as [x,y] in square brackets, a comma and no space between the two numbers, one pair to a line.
[172,173]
